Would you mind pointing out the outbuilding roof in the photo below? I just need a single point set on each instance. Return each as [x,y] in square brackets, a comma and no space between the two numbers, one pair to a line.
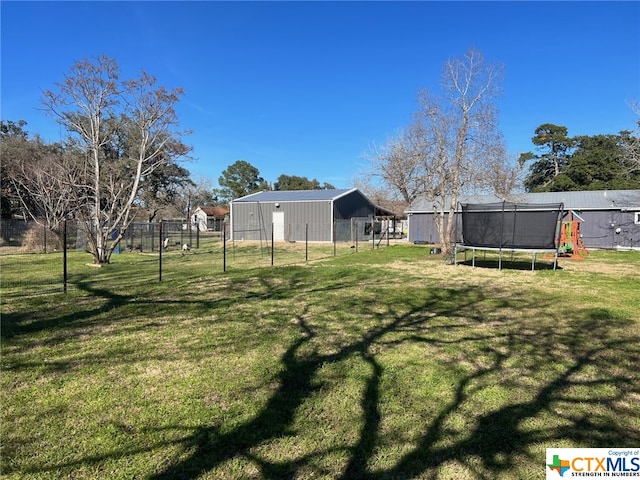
[581,200]
[214,211]
[295,195]
[283,196]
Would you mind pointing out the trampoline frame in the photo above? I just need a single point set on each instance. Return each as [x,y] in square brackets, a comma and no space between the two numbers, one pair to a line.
[459,247]
[462,247]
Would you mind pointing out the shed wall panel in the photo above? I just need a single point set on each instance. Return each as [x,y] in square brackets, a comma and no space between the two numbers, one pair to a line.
[315,215]
[596,230]
[353,205]
[599,229]
[423,228]
[249,222]
[253,220]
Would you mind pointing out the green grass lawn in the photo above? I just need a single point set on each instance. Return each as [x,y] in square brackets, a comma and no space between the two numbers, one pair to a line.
[381,364]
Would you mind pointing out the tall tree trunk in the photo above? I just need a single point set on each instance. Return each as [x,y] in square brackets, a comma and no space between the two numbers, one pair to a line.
[98,255]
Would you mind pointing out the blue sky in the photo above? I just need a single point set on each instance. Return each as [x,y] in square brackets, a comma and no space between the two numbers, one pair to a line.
[306,88]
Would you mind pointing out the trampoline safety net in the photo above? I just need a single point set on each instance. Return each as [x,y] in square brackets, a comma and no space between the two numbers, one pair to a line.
[511,225]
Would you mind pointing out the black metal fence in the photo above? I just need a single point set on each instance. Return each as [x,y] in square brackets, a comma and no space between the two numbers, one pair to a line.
[46,250]
[145,237]
[20,236]
[167,244]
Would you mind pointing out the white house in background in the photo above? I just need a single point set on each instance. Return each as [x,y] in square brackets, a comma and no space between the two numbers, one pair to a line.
[209,218]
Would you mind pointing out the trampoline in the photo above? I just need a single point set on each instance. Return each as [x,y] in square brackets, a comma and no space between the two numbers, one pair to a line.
[507,227]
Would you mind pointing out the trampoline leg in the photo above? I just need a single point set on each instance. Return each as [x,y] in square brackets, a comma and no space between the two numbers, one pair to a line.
[473,258]
[533,263]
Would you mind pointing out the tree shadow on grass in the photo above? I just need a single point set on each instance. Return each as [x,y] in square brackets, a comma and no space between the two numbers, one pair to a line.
[498,437]
[495,438]
[556,358]
[295,385]
[15,324]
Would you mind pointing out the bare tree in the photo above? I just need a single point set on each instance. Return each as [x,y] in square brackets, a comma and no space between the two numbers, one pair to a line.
[44,179]
[398,165]
[126,129]
[453,145]
[460,135]
[631,143]
[37,177]
[15,146]
[501,178]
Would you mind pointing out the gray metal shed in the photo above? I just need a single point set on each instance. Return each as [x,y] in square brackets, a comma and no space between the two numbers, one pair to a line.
[611,217]
[293,215]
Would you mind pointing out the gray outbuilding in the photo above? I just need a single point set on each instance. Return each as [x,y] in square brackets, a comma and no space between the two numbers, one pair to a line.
[610,218]
[296,215]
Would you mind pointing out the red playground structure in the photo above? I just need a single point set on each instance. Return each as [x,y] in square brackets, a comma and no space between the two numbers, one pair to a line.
[571,244]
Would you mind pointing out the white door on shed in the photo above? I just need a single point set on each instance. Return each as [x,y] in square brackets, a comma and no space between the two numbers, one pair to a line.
[278,226]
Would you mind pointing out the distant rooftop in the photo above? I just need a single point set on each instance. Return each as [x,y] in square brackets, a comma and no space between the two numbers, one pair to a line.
[294,195]
[215,211]
[586,199]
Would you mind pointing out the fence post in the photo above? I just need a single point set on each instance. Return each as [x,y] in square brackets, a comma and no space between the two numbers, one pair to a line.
[334,238]
[64,256]
[224,247]
[373,234]
[160,255]
[306,242]
[351,226]
[356,231]
[272,250]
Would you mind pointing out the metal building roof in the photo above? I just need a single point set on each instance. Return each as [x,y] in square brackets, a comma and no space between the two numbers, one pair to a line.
[581,200]
[294,195]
